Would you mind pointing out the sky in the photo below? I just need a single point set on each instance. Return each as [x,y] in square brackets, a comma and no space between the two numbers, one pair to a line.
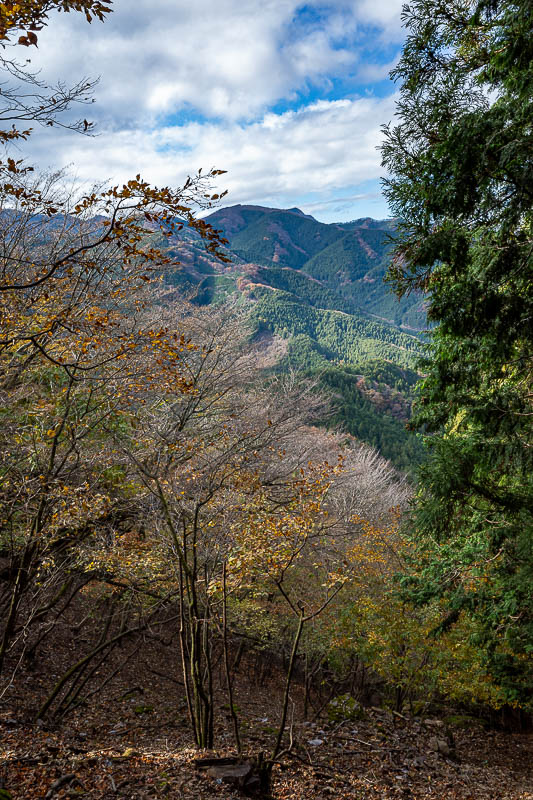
[288,97]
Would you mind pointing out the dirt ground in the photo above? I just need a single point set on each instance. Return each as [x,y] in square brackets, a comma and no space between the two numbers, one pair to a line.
[132,741]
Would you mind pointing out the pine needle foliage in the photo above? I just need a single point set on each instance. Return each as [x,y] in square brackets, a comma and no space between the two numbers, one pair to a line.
[460,170]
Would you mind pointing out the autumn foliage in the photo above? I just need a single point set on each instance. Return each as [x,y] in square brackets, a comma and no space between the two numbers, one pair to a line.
[152,477]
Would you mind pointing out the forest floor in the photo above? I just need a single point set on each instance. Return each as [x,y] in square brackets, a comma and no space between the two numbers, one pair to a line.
[133,742]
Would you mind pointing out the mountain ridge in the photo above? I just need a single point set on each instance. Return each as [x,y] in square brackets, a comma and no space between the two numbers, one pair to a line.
[350,259]
[317,291]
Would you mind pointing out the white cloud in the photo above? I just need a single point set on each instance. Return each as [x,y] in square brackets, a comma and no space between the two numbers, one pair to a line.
[315,151]
[385,15]
[190,84]
[222,58]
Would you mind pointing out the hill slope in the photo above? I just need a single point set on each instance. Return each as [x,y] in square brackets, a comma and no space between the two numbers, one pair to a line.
[317,301]
[350,259]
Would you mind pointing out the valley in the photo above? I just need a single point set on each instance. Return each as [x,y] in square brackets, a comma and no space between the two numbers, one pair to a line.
[320,289]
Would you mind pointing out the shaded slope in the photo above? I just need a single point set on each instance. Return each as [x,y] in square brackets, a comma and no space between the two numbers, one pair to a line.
[318,290]
[274,236]
[349,259]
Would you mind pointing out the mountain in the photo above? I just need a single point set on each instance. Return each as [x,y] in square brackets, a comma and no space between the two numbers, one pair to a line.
[350,259]
[317,301]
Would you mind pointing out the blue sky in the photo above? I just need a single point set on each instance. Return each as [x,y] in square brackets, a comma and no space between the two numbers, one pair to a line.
[288,97]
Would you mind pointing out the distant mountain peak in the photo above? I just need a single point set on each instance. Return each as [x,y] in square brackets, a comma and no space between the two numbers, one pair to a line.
[299,212]
[239,216]
[369,222]
[240,207]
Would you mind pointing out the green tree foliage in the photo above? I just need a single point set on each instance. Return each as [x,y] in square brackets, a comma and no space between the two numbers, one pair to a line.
[460,161]
[349,337]
[306,289]
[358,415]
[341,350]
[345,262]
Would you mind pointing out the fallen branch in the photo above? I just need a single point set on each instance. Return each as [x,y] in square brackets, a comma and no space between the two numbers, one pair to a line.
[64,779]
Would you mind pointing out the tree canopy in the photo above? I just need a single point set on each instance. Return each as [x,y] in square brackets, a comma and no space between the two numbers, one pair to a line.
[460,176]
[29,16]
[156,479]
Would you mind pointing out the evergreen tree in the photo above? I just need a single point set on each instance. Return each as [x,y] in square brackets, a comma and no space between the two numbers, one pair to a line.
[460,163]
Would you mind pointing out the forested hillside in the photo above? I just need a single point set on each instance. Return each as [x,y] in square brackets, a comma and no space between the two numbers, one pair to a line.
[214,581]
[350,259]
[322,327]
[321,289]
